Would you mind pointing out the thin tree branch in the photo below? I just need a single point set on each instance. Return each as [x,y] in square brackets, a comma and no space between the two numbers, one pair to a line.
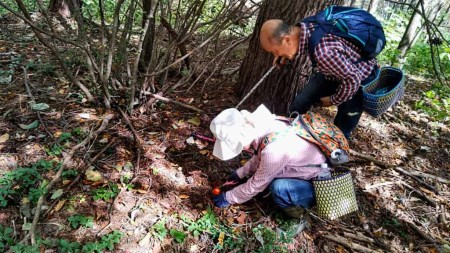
[58,174]
[158,97]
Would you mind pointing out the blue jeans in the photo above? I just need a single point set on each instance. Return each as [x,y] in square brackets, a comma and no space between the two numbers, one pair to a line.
[287,192]
[349,112]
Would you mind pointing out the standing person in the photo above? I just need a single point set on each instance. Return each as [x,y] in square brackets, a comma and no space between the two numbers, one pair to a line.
[340,69]
[285,165]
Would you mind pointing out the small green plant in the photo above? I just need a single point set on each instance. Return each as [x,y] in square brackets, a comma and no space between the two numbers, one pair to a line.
[81,220]
[68,247]
[55,150]
[69,174]
[64,137]
[23,248]
[43,68]
[160,230]
[178,235]
[436,102]
[207,223]
[79,132]
[5,237]
[106,242]
[14,184]
[270,241]
[106,193]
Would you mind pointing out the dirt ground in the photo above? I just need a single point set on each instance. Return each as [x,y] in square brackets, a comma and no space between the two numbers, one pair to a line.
[175,172]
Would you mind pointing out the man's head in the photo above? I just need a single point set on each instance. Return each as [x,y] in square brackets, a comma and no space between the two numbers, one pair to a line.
[279,38]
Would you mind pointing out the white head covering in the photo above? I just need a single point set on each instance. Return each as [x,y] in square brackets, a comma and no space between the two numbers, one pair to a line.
[235,129]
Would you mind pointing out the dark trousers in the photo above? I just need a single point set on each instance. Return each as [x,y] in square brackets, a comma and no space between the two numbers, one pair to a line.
[348,113]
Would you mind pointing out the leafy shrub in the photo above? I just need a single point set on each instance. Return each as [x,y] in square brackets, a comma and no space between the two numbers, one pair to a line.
[81,220]
[106,193]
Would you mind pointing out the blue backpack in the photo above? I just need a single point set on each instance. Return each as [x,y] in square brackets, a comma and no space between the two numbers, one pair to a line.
[355,25]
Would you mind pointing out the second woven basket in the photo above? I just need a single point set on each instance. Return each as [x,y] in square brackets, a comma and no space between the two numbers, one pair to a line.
[384,91]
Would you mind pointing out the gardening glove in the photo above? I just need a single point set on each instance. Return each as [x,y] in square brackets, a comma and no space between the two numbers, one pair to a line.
[220,201]
[234,179]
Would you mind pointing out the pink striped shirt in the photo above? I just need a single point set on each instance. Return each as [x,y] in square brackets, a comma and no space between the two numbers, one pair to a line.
[281,158]
[338,59]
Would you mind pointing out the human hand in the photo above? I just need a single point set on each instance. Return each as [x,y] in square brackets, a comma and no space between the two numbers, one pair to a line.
[220,201]
[325,102]
[279,61]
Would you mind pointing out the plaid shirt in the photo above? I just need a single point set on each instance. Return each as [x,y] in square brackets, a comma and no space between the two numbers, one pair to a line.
[336,58]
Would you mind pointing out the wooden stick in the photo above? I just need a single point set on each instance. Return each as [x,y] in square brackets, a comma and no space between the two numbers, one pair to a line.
[78,178]
[370,159]
[421,194]
[420,232]
[360,237]
[368,187]
[417,179]
[58,174]
[349,244]
[423,174]
[27,87]
[173,102]
[394,167]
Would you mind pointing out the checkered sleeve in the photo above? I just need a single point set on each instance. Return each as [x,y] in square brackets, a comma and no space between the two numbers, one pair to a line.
[271,164]
[249,167]
[332,62]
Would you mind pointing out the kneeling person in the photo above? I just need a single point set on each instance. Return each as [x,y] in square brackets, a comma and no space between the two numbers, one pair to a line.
[286,165]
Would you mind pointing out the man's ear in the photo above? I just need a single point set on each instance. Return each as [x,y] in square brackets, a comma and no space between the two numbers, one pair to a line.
[286,39]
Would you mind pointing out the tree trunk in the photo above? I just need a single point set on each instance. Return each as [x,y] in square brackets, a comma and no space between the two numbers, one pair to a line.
[64,8]
[408,35]
[373,6]
[147,46]
[279,89]
[363,3]
[414,29]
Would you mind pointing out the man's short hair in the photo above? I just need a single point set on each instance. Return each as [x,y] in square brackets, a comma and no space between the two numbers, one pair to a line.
[278,32]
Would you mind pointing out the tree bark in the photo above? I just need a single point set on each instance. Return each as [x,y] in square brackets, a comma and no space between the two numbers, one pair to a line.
[279,89]
[373,6]
[147,47]
[408,35]
[414,29]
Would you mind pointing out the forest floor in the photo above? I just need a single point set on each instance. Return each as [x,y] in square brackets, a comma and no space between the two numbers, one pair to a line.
[158,195]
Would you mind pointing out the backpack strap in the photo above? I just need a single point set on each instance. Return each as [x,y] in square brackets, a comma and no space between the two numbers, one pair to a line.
[273,137]
[324,24]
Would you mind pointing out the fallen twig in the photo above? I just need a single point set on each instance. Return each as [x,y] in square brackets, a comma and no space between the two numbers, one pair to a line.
[360,237]
[173,102]
[110,211]
[420,232]
[370,159]
[422,174]
[394,167]
[417,179]
[75,181]
[139,144]
[27,87]
[368,187]
[421,194]
[58,174]
[350,244]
